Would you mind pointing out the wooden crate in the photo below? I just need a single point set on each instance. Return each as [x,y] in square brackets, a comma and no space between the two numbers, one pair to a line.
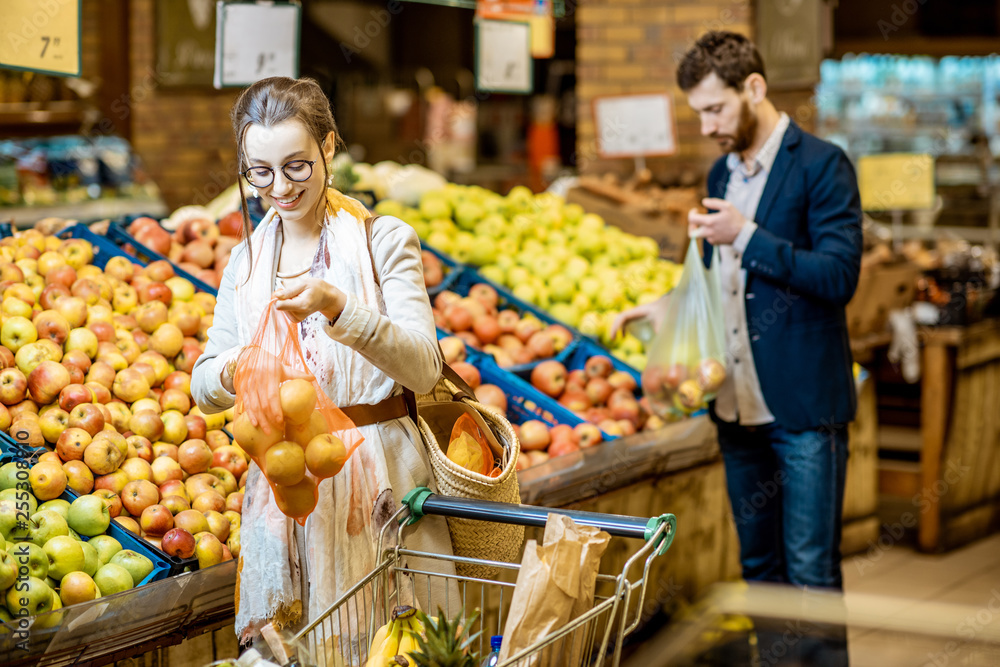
[882,288]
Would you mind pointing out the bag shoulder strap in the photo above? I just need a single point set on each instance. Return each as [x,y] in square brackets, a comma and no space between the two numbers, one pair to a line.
[369,224]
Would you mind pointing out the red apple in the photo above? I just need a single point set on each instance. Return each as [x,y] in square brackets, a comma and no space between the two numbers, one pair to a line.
[549,377]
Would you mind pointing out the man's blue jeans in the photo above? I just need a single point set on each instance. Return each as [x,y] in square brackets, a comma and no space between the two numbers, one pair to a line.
[787,495]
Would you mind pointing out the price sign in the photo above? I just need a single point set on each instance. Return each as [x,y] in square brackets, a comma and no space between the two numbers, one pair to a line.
[41,36]
[503,56]
[255,41]
[635,125]
[896,181]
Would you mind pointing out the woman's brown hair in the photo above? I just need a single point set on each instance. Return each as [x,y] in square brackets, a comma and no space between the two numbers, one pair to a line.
[269,102]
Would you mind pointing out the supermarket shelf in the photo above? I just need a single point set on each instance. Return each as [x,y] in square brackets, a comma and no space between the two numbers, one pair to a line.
[17,114]
[26,216]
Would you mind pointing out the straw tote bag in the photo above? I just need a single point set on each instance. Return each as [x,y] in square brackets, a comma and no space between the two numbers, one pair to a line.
[435,415]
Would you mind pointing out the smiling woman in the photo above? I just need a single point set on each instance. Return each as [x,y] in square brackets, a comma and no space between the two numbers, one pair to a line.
[363,340]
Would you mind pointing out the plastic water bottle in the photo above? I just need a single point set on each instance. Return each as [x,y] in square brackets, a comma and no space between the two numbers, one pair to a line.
[494,657]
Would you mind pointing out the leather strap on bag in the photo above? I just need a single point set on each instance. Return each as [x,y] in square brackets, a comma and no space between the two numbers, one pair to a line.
[465,391]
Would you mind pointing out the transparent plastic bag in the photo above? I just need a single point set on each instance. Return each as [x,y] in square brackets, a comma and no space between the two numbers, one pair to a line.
[284,419]
[687,359]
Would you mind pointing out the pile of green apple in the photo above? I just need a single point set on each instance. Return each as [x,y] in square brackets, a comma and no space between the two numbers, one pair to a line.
[549,253]
[96,365]
[45,562]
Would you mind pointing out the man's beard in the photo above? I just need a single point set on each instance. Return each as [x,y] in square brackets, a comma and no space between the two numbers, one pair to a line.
[745,131]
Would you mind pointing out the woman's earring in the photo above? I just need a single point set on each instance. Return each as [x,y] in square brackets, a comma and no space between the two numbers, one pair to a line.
[254,193]
[329,180]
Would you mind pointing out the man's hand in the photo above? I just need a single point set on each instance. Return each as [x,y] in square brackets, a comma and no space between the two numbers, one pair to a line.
[652,311]
[310,295]
[719,227]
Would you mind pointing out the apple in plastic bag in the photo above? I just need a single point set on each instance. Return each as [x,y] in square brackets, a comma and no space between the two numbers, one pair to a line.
[711,374]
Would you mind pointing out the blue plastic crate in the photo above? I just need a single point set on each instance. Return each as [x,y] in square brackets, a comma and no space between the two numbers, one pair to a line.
[12,450]
[121,238]
[468,277]
[103,248]
[524,402]
[6,229]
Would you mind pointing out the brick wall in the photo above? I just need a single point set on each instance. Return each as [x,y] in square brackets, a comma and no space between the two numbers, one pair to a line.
[183,135]
[634,46]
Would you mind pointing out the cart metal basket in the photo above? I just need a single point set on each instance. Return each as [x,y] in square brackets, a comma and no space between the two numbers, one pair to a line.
[340,636]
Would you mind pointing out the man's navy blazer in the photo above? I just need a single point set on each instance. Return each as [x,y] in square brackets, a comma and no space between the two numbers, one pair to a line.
[802,267]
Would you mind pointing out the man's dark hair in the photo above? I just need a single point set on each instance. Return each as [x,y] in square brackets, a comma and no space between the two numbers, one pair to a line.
[730,55]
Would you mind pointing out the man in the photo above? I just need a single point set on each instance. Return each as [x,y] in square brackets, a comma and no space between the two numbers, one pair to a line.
[784,216]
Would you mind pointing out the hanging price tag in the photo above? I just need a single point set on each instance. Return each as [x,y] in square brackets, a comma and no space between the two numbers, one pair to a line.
[41,36]
[256,41]
[503,56]
[896,181]
[635,125]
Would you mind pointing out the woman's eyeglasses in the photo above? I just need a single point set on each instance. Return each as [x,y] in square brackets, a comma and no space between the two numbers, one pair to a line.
[296,170]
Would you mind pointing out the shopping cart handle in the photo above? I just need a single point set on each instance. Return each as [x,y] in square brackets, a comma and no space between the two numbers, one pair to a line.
[422,501]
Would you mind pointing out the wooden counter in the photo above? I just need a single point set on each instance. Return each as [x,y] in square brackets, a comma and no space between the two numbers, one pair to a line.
[956,491]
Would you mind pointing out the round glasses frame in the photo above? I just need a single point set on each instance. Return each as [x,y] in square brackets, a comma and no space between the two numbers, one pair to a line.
[262,181]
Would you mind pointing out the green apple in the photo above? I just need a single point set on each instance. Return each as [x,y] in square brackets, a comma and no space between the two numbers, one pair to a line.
[56,505]
[51,583]
[8,522]
[106,546]
[89,515]
[137,565]
[8,570]
[6,618]
[112,578]
[51,620]
[91,559]
[75,535]
[20,500]
[562,288]
[525,292]
[48,524]
[28,597]
[494,272]
[65,556]
[31,556]
[8,475]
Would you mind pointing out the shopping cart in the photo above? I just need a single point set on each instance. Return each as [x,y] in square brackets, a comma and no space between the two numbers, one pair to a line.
[339,637]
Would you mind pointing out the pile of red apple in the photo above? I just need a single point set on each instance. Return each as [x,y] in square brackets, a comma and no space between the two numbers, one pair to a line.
[476,321]
[538,440]
[96,364]
[433,269]
[598,394]
[680,389]
[200,246]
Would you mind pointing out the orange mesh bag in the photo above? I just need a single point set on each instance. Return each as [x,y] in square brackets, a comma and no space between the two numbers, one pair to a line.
[284,420]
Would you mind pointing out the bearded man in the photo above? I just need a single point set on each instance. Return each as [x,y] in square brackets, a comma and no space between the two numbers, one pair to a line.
[784,217]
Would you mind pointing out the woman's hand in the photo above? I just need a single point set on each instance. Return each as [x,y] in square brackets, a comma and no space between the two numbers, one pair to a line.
[310,295]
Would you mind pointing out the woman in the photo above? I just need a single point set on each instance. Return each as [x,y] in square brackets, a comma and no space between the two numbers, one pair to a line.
[364,343]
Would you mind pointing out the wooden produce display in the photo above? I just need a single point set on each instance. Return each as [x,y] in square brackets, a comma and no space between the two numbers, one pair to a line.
[860,523]
[959,493]
[882,288]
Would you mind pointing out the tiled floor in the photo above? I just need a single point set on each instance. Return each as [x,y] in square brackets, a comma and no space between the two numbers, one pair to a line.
[957,594]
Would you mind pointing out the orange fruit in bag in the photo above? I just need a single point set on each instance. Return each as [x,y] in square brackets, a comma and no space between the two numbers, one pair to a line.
[297,500]
[298,400]
[325,455]
[285,463]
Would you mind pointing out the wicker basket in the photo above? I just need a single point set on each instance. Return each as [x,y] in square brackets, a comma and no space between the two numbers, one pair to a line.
[473,539]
